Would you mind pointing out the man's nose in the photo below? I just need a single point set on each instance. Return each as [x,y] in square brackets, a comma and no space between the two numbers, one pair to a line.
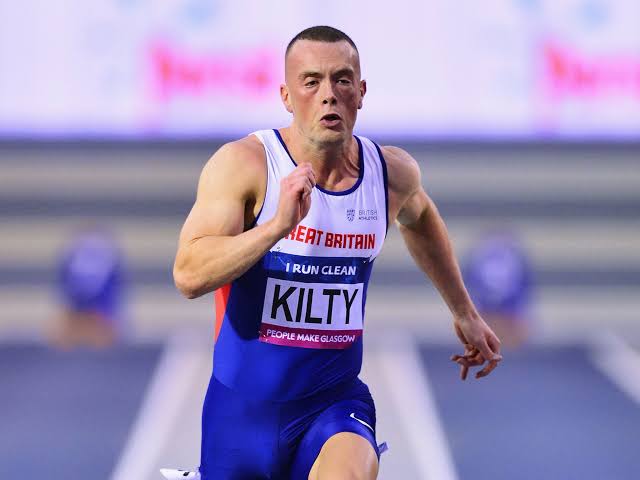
[328,95]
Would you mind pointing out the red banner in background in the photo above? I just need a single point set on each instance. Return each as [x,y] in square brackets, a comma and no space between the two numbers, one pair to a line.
[571,73]
[157,69]
[179,71]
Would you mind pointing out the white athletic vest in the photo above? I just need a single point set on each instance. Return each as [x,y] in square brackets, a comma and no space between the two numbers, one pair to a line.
[328,255]
[292,324]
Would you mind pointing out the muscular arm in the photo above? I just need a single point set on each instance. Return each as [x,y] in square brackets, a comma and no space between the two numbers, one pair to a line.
[427,240]
[215,246]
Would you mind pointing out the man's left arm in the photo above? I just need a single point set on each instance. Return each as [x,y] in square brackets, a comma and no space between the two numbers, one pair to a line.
[427,240]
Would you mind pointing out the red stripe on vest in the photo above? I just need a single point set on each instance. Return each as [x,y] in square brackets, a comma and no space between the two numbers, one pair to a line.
[221,296]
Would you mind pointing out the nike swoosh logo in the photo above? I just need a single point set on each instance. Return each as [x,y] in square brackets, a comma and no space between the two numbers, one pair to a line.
[353,415]
[171,474]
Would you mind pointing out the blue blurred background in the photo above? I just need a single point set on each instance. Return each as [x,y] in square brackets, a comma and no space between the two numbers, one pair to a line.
[525,118]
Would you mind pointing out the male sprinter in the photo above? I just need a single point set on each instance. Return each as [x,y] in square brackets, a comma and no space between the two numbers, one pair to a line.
[285,227]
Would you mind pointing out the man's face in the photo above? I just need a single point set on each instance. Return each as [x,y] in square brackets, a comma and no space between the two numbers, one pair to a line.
[323,89]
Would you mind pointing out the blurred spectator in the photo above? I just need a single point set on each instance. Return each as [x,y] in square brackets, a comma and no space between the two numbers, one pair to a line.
[498,276]
[90,287]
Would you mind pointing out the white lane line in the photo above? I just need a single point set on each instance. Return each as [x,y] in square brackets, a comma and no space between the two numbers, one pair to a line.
[169,388]
[618,362]
[409,388]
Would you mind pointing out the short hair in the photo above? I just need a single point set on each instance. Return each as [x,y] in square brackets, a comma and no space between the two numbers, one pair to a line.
[321,33]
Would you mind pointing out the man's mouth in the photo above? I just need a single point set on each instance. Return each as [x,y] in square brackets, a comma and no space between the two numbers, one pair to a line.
[330,119]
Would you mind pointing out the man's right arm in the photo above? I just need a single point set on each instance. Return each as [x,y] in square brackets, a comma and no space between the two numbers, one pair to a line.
[214,248]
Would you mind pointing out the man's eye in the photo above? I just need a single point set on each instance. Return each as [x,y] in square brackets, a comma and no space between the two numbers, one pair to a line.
[344,81]
[310,83]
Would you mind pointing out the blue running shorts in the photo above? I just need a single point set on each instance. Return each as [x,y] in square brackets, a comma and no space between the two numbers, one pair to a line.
[248,439]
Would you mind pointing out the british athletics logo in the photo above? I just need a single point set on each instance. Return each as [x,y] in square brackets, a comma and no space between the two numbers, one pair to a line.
[351,213]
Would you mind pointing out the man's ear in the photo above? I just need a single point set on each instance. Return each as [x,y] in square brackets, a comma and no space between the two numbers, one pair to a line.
[363,91]
[284,96]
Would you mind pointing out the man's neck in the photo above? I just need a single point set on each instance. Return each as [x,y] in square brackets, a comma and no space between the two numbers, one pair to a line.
[335,164]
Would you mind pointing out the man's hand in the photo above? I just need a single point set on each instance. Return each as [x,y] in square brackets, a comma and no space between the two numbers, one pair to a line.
[480,345]
[295,198]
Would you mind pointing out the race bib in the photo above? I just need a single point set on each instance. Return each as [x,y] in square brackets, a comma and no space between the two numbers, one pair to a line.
[312,315]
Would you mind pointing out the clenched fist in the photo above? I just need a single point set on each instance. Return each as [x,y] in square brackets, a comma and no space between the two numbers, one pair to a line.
[295,197]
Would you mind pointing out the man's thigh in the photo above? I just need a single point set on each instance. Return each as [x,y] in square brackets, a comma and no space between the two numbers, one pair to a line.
[345,456]
[239,436]
[342,435]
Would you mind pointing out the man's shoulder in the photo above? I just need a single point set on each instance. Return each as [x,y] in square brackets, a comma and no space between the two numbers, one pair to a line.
[238,166]
[403,169]
[237,157]
[398,157]
[248,150]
